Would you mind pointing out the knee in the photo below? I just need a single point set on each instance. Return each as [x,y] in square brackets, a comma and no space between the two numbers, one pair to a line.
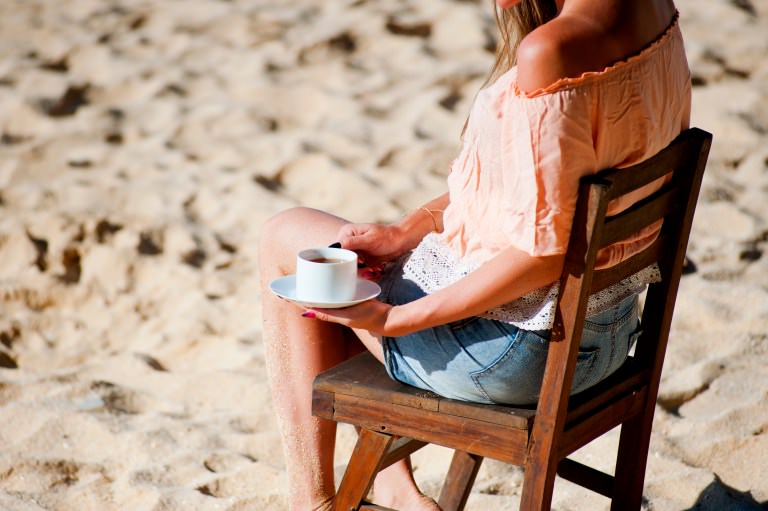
[279,233]
[282,226]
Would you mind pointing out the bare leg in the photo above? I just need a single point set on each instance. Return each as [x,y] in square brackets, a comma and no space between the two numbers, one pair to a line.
[297,349]
[395,488]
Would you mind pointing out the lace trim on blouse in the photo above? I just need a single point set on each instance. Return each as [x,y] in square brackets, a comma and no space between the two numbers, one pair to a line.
[432,266]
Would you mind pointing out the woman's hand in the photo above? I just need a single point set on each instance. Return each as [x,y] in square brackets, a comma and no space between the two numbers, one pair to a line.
[378,243]
[375,243]
[371,315]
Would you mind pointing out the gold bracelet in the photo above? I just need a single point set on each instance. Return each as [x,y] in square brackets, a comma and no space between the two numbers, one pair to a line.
[431,213]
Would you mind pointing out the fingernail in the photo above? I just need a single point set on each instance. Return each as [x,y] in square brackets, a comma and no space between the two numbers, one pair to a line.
[335,245]
[308,314]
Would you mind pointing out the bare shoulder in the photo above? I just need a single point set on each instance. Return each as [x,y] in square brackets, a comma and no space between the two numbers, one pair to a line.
[581,41]
[563,48]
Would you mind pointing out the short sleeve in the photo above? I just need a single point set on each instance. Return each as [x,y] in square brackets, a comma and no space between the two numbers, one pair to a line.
[546,147]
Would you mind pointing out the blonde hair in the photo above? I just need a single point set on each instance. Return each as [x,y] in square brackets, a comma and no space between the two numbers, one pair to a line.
[514,24]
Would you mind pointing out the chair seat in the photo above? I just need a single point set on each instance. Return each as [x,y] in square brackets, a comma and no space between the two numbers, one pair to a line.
[360,392]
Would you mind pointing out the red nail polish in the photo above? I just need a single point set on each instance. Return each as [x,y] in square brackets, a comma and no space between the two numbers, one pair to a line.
[308,314]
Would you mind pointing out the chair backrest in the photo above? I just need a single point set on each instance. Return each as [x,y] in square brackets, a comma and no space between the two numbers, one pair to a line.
[684,161]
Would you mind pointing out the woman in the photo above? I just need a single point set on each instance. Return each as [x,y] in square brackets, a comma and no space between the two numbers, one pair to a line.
[468,287]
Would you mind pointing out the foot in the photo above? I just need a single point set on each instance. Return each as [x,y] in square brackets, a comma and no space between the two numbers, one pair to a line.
[418,502]
[423,503]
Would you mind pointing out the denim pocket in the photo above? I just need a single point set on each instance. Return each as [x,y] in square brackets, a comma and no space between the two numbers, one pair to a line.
[585,374]
[612,333]
[515,376]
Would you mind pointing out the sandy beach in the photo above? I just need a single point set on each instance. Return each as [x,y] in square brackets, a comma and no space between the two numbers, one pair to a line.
[142,145]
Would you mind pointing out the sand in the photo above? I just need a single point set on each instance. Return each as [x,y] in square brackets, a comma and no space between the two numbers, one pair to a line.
[143,144]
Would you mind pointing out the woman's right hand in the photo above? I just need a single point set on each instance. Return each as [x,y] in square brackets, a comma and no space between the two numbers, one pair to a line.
[375,243]
[379,243]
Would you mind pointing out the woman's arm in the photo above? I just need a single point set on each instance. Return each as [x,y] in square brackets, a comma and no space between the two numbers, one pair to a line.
[509,275]
[426,219]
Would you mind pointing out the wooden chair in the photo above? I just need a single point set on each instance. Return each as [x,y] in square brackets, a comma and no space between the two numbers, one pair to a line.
[396,419]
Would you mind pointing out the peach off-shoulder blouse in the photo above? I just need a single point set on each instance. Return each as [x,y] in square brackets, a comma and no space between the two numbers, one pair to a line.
[515,181]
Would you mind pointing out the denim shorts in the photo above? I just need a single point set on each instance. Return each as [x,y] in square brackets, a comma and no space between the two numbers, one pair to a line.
[488,361]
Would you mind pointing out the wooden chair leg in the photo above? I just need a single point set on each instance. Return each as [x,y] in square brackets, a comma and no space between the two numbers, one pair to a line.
[631,463]
[366,460]
[458,483]
[538,485]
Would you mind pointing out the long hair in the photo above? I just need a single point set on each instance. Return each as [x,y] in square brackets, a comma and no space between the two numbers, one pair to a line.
[514,24]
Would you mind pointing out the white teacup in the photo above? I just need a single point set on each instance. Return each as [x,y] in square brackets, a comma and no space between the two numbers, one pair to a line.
[326,275]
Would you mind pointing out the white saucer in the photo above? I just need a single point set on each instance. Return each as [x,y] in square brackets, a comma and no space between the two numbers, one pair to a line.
[285,287]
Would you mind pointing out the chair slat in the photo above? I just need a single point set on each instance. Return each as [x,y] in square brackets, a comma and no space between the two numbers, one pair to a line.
[605,277]
[675,156]
[646,212]
[626,380]
[399,449]
[588,477]
[575,436]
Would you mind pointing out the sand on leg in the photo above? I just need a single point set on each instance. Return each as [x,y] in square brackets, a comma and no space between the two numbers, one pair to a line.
[296,350]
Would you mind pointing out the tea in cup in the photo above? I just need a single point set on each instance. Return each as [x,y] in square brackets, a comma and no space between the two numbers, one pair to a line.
[326,275]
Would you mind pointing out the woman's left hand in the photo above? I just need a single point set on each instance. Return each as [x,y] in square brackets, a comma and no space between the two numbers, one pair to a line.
[371,315]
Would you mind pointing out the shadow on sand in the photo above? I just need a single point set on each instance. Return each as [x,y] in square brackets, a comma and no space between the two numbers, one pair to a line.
[720,497]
